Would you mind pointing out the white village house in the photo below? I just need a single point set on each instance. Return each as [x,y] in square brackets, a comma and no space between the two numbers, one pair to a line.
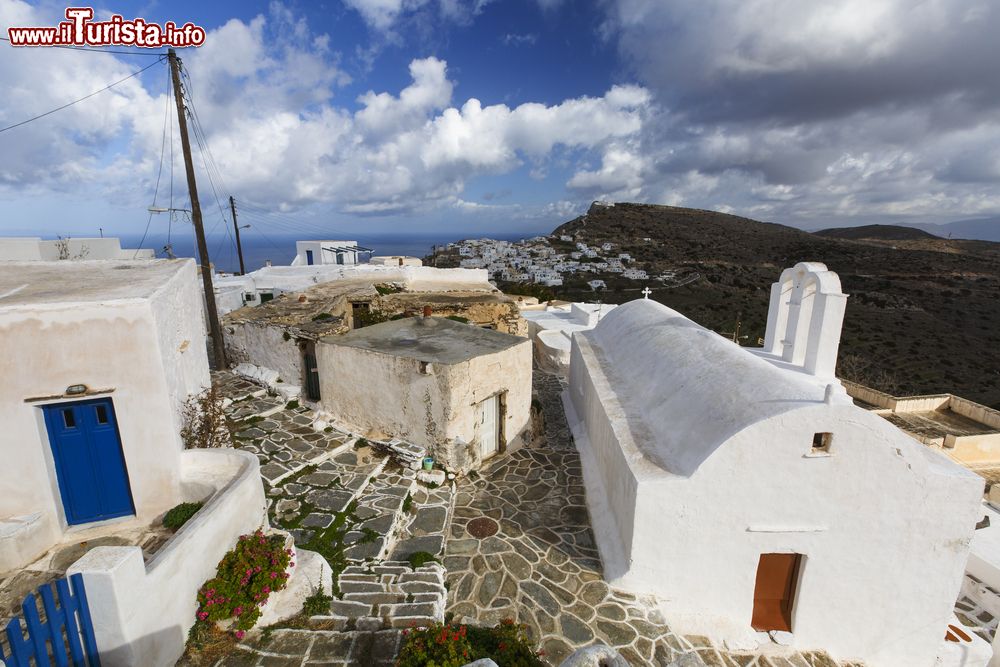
[104,354]
[745,490]
[458,390]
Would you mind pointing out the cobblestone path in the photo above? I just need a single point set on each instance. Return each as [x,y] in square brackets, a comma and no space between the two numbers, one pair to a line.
[515,542]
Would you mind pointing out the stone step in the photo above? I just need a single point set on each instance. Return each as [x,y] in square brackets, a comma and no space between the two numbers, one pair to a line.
[390,594]
[352,648]
[380,509]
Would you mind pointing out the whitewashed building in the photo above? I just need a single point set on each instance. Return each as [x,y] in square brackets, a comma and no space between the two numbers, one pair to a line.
[35,249]
[747,491]
[310,253]
[551,328]
[98,358]
[460,391]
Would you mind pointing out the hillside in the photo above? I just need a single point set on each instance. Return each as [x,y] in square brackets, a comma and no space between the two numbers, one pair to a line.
[923,315]
[983,229]
[876,232]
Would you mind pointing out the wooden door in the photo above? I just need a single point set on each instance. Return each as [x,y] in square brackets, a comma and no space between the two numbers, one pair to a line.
[90,467]
[774,592]
[489,427]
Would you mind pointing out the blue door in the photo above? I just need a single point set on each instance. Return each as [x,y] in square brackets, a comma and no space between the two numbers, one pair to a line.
[90,466]
[309,257]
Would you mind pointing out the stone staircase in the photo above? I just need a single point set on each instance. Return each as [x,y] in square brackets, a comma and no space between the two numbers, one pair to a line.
[358,504]
[390,594]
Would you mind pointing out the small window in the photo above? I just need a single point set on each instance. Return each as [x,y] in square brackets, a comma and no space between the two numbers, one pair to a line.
[102,414]
[821,442]
[69,419]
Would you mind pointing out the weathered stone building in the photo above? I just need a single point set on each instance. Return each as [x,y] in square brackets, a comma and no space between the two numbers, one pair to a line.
[461,391]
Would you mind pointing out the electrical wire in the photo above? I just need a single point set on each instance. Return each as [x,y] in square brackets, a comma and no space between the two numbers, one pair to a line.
[207,158]
[92,49]
[159,171]
[107,87]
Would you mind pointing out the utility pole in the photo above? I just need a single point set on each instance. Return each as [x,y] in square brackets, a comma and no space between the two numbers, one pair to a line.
[236,227]
[199,230]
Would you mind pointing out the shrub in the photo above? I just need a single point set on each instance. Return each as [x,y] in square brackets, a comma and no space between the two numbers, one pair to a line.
[364,318]
[204,421]
[407,502]
[458,318]
[442,645]
[291,405]
[317,604]
[419,558]
[179,515]
[246,576]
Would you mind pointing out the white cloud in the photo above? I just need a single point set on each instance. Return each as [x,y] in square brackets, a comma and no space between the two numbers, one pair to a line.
[384,15]
[280,136]
[799,111]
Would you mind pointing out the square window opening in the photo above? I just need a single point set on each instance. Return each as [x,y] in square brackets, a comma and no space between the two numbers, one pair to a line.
[69,419]
[821,442]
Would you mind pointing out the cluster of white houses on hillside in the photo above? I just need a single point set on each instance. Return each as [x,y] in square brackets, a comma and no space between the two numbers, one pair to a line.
[535,260]
[743,488]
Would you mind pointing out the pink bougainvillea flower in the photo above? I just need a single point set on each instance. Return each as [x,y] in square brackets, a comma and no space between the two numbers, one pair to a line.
[240,634]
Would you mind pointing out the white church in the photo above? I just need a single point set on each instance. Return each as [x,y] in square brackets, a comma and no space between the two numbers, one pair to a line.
[746,490]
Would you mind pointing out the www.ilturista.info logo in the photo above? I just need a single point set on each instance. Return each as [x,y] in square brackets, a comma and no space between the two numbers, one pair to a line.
[80,30]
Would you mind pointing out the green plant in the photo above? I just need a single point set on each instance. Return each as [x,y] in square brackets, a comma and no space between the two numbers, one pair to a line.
[179,515]
[457,318]
[203,421]
[407,502]
[322,317]
[367,535]
[359,443]
[420,558]
[245,578]
[448,645]
[370,316]
[387,288]
[318,603]
[286,336]
[291,405]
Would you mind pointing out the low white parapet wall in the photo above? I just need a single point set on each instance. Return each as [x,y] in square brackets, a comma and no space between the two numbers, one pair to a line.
[142,612]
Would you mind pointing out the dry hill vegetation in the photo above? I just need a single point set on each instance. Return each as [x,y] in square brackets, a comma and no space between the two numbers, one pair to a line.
[923,314]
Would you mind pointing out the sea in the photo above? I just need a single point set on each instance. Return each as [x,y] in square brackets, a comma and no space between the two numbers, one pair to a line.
[258,248]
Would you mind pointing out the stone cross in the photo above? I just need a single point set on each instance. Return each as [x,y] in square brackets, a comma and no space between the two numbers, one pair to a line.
[646,292]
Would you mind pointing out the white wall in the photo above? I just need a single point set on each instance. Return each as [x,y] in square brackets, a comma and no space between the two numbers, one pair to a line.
[365,390]
[142,612]
[883,524]
[118,348]
[322,254]
[263,344]
[35,249]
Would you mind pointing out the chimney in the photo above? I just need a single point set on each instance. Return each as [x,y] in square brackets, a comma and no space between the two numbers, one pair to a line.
[427,311]
[400,261]
[267,262]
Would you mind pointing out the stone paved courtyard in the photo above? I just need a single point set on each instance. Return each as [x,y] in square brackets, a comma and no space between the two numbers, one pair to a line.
[514,539]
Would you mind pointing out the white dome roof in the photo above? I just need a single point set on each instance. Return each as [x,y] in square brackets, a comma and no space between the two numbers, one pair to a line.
[685,389]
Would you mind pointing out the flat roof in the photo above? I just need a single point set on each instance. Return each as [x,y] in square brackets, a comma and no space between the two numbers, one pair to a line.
[432,339]
[39,282]
[937,423]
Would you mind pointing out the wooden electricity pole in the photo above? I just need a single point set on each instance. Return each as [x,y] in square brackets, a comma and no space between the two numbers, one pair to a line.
[236,228]
[199,230]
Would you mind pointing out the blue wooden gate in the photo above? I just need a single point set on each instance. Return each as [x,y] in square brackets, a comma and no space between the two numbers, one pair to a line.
[90,466]
[66,635]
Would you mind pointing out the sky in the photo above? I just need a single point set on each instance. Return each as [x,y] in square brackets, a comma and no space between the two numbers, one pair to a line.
[460,118]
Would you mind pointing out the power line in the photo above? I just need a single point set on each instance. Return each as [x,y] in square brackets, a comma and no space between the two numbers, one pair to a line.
[159,171]
[107,87]
[91,49]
